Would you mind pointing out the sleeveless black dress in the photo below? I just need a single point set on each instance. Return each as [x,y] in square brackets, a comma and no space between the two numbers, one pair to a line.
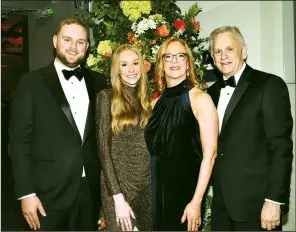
[173,140]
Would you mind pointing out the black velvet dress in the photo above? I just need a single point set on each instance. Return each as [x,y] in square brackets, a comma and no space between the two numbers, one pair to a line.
[173,140]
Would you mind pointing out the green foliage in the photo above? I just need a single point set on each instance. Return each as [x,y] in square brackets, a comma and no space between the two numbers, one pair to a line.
[145,24]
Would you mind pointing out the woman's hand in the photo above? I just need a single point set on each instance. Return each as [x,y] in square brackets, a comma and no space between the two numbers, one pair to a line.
[123,212]
[193,215]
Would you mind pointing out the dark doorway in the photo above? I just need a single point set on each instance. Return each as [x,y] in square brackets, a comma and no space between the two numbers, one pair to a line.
[14,62]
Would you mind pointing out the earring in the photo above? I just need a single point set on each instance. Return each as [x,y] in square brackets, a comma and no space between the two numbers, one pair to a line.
[187,73]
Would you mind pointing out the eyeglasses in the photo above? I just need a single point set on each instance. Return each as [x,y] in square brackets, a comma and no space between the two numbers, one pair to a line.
[170,57]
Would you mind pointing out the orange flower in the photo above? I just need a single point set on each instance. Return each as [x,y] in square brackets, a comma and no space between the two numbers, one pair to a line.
[103,224]
[108,54]
[147,65]
[131,37]
[163,31]
[192,20]
[196,26]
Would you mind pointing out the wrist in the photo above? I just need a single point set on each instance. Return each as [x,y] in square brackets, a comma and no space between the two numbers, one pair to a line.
[118,198]
[196,200]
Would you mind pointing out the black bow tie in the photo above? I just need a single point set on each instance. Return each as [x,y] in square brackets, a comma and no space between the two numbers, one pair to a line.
[230,82]
[76,72]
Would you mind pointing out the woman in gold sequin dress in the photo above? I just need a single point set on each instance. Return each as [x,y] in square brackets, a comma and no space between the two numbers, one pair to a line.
[121,114]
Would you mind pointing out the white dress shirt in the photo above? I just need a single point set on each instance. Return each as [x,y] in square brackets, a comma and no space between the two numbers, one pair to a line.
[77,97]
[225,95]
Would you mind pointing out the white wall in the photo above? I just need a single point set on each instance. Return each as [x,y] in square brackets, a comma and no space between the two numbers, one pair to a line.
[268,29]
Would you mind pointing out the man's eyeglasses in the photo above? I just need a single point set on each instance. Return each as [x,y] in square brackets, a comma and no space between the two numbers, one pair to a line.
[168,57]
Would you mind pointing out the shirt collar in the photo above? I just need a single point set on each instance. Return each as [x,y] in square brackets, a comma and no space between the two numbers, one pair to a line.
[238,74]
[59,66]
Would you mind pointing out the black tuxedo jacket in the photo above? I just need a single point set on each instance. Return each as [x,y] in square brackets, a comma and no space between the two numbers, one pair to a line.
[47,151]
[254,148]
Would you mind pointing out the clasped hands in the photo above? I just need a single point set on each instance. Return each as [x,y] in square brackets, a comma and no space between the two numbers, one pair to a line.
[270,215]
[193,215]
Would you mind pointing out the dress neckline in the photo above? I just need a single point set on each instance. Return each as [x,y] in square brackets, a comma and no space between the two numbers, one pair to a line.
[177,90]
[131,90]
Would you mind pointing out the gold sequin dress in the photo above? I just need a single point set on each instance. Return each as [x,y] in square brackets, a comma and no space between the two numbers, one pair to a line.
[125,164]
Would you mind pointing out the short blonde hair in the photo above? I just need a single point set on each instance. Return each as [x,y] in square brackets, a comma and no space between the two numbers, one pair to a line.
[69,21]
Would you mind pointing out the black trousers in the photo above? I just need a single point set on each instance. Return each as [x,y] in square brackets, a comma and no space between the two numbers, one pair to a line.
[79,217]
[221,220]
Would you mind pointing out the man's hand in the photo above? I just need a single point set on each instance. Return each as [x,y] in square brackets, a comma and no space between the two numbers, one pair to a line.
[29,208]
[270,215]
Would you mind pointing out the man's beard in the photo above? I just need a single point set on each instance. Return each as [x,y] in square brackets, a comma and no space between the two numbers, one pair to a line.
[64,60]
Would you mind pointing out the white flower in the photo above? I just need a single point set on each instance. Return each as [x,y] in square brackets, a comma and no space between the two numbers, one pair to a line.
[151,23]
[193,38]
[155,49]
[142,26]
[134,26]
[195,49]
[196,62]
[96,21]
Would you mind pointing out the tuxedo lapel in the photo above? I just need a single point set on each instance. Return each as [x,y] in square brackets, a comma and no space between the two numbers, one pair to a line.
[53,83]
[89,124]
[237,94]
[214,92]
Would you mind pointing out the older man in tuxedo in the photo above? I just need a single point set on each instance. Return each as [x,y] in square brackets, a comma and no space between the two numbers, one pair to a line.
[251,177]
[53,142]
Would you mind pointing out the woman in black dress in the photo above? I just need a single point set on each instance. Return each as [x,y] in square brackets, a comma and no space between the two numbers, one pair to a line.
[181,137]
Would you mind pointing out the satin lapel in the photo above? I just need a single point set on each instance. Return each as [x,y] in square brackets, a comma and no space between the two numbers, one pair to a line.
[237,94]
[53,83]
[89,124]
[214,92]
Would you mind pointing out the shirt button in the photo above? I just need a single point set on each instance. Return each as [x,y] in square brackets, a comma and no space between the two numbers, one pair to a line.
[221,154]
[72,83]
[227,93]
[75,113]
[73,97]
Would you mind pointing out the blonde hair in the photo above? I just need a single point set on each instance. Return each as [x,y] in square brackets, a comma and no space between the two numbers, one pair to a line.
[232,29]
[159,73]
[123,112]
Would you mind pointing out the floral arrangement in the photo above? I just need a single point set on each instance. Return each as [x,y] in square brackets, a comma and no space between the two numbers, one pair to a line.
[145,24]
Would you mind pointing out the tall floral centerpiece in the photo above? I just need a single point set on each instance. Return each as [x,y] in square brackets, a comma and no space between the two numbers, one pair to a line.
[145,24]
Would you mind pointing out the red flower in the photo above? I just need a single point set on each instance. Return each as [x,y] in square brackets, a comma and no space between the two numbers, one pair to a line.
[179,24]
[155,94]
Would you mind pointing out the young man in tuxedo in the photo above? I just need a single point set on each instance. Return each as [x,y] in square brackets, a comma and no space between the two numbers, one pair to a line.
[53,142]
[251,177]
